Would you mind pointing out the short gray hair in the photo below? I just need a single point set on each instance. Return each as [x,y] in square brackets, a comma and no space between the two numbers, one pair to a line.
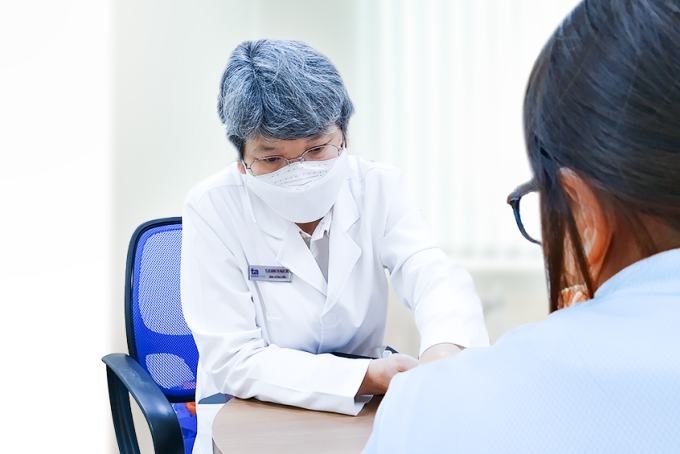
[279,89]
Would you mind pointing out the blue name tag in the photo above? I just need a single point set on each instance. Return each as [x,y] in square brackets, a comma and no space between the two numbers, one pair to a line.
[270,274]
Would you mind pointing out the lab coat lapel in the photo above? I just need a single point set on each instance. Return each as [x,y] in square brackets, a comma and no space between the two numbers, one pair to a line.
[296,256]
[293,252]
[343,251]
[268,220]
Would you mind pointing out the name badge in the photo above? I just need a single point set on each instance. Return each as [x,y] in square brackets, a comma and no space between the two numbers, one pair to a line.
[270,274]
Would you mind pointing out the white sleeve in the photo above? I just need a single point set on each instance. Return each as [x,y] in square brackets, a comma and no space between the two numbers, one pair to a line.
[441,293]
[221,314]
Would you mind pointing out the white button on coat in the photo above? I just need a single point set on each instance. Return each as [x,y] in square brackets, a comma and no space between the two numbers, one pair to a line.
[267,339]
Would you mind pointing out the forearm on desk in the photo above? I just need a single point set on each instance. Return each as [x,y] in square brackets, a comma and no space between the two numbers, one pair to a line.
[291,377]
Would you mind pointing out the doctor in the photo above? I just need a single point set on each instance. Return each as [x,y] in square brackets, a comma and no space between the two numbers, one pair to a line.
[284,252]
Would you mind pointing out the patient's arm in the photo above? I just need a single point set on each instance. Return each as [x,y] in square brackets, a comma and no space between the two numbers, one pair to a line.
[439,351]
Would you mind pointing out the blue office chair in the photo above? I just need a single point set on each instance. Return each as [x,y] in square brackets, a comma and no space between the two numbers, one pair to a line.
[161,368]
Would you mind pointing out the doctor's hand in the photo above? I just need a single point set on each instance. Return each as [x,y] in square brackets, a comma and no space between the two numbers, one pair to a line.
[381,371]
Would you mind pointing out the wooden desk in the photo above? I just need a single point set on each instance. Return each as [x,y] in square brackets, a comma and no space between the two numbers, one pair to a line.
[253,427]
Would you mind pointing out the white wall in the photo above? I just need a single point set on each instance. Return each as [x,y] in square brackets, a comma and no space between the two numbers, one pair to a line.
[55,234]
[440,93]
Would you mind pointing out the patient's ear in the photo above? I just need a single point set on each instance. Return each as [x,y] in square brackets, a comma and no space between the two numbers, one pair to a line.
[241,167]
[592,222]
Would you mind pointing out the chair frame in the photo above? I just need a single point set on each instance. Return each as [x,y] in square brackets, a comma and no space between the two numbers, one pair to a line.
[125,376]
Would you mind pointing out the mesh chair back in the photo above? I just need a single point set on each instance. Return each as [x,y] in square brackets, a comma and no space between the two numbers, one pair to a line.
[158,337]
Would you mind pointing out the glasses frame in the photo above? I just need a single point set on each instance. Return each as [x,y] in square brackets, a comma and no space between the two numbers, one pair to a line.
[300,158]
[514,200]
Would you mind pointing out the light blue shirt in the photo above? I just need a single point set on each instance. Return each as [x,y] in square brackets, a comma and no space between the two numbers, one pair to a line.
[600,377]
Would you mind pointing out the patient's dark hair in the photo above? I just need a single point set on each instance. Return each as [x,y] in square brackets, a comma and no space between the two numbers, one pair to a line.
[603,100]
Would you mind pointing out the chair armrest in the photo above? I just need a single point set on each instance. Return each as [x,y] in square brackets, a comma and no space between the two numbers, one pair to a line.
[125,375]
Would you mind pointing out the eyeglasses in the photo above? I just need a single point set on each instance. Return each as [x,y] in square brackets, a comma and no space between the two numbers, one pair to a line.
[270,164]
[529,222]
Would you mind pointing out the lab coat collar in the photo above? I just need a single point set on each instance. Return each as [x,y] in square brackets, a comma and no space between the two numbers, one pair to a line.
[293,252]
[345,211]
[343,251]
[268,220]
[295,255]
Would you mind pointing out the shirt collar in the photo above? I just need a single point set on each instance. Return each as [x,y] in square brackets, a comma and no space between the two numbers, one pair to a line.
[324,227]
[655,275]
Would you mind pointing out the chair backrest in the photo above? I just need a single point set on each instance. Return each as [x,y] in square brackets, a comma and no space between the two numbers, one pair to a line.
[158,337]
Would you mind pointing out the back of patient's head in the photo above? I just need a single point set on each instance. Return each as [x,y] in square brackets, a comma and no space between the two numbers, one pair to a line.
[280,89]
[603,100]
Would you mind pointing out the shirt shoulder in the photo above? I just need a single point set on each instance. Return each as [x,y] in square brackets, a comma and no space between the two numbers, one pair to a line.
[451,402]
[541,383]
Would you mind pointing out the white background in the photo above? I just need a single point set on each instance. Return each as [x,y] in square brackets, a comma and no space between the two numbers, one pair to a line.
[107,119]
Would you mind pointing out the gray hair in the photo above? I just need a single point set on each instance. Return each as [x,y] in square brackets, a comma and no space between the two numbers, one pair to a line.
[279,89]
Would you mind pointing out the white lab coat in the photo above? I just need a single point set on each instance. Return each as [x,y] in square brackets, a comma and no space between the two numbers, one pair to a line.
[268,339]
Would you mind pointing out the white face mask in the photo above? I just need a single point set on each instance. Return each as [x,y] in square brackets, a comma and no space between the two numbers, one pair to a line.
[299,175]
[303,191]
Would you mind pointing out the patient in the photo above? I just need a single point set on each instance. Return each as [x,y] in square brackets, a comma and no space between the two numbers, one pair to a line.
[602,126]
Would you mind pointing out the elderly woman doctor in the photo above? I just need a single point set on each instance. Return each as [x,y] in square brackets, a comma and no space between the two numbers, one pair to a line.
[284,252]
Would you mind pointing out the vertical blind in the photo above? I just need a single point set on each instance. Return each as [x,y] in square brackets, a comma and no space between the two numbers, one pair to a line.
[439,93]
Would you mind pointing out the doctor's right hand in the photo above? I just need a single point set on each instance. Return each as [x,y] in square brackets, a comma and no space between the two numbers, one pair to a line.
[380,373]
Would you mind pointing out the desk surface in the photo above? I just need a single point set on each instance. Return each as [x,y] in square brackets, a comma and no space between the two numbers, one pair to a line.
[251,426]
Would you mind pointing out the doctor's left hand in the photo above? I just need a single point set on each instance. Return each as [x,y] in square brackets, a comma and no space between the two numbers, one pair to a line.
[381,371]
